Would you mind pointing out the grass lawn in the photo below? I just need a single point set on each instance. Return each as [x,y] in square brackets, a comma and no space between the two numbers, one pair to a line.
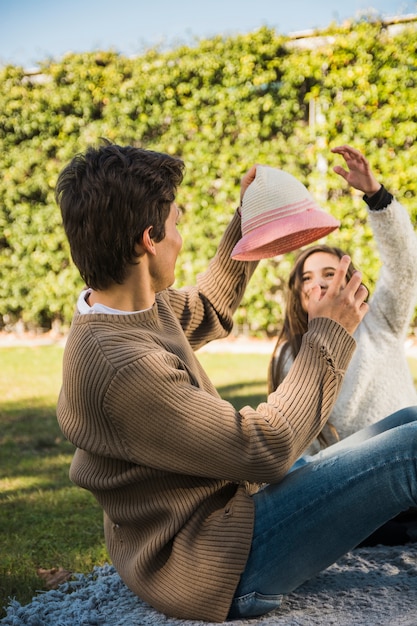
[46,522]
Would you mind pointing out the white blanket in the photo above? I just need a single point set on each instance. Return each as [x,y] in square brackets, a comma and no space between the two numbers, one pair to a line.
[368,587]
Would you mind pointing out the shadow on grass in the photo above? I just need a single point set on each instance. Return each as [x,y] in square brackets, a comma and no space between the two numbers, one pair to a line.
[243,394]
[32,445]
[47,525]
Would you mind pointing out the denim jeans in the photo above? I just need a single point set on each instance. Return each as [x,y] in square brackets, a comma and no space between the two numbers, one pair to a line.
[326,507]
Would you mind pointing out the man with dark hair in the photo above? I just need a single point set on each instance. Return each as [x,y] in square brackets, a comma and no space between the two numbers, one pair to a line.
[175,468]
[100,193]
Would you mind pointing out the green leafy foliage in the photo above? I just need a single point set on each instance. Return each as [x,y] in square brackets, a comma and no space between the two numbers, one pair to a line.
[222,105]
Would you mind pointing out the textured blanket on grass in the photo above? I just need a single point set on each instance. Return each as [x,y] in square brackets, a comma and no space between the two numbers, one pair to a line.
[368,587]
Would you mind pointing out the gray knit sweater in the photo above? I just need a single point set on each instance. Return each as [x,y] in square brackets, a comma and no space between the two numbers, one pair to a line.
[169,460]
[378,380]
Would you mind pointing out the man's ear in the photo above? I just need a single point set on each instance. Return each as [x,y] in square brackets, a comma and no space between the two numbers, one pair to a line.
[147,242]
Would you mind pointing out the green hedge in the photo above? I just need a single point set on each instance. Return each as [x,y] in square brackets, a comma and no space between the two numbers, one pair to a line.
[221,105]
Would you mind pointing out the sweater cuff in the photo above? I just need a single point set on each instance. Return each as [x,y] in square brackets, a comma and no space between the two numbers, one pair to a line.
[333,338]
[379,200]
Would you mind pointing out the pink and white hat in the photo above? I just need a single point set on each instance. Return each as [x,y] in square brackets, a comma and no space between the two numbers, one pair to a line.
[279,215]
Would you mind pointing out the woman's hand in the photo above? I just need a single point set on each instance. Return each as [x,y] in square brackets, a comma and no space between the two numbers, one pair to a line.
[343,304]
[360,175]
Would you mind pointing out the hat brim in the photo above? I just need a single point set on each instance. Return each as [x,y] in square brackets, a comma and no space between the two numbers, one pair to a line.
[284,235]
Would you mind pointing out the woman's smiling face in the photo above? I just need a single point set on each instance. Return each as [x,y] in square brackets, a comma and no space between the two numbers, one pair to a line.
[319,269]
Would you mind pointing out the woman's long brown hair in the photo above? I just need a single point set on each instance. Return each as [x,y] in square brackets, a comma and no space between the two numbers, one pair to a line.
[296,321]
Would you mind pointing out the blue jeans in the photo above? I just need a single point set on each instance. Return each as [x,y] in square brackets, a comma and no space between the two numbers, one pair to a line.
[325,508]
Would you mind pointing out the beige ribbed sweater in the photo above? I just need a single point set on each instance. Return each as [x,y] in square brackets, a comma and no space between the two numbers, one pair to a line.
[165,456]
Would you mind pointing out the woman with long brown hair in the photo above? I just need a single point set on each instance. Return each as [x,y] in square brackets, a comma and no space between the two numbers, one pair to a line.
[378,380]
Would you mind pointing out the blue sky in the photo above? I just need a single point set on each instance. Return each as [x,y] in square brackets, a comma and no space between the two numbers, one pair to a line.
[35,30]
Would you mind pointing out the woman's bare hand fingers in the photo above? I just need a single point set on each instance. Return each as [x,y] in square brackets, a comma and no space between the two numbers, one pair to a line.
[344,302]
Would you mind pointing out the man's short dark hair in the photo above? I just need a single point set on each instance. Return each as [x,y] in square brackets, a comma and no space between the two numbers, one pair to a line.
[108,196]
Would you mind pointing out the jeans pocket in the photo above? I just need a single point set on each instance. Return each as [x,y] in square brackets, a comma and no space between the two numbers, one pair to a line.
[254,604]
